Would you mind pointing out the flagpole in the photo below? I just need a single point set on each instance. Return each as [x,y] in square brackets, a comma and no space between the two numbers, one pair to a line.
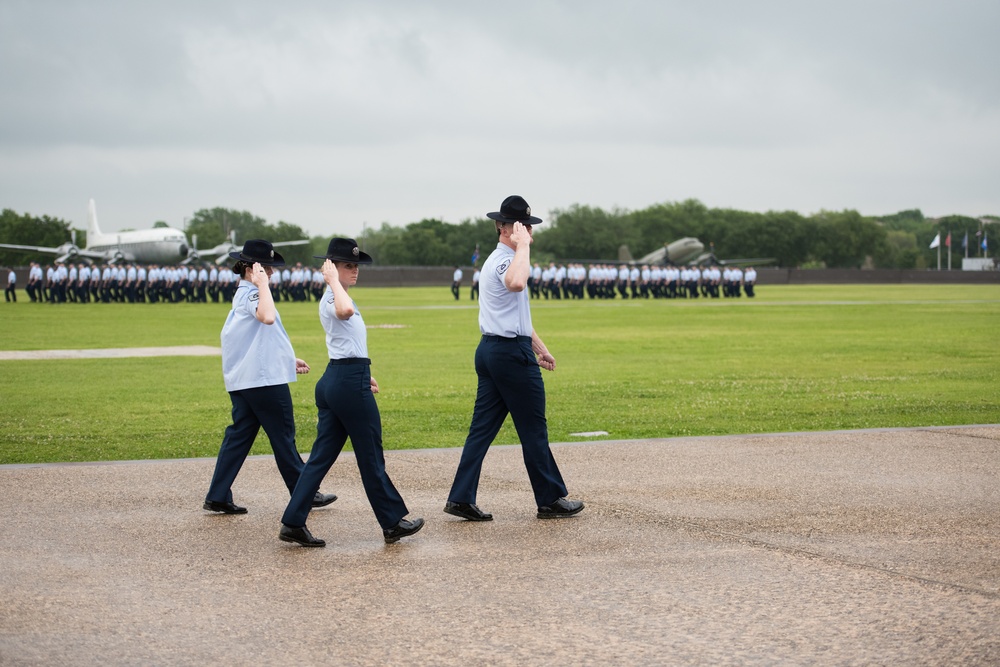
[949,249]
[939,253]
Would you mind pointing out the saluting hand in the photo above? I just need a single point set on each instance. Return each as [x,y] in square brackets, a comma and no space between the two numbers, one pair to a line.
[330,273]
[519,234]
[258,276]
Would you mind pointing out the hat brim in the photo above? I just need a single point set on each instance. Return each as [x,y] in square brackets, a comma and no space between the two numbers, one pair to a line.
[278,260]
[500,217]
[362,258]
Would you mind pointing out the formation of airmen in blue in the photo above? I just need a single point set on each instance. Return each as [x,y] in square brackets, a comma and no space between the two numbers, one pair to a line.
[136,283]
[608,281]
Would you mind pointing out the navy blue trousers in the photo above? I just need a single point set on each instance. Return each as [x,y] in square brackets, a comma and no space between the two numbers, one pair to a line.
[267,407]
[346,407]
[510,382]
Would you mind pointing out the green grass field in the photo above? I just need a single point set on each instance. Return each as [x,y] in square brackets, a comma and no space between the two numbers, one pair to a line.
[796,358]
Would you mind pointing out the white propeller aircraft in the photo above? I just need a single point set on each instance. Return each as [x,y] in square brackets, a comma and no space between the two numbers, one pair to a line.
[160,245]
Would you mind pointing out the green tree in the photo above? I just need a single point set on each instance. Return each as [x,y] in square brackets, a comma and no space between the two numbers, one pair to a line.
[430,242]
[26,229]
[845,239]
[901,251]
[217,225]
[909,221]
[582,232]
[663,223]
[210,228]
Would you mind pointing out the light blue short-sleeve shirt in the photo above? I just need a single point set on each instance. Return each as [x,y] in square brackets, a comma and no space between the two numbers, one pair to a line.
[254,354]
[502,312]
[345,339]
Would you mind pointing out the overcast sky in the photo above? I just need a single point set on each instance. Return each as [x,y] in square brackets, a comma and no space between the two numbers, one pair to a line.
[333,115]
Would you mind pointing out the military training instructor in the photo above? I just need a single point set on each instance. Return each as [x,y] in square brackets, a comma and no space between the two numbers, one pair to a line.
[508,362]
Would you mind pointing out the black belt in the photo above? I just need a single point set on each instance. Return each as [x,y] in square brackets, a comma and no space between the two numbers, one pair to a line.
[497,339]
[350,360]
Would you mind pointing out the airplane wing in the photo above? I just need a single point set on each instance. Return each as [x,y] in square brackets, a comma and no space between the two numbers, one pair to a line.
[225,249]
[748,261]
[36,248]
[67,251]
[710,258]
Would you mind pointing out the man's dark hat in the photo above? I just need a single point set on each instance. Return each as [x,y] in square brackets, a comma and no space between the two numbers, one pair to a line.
[515,209]
[260,251]
[345,250]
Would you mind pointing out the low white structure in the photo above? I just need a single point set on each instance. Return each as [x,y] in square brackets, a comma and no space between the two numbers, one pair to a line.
[978,264]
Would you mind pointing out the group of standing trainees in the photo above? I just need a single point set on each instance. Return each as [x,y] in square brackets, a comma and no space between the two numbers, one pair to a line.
[608,281]
[258,364]
[128,283]
[138,283]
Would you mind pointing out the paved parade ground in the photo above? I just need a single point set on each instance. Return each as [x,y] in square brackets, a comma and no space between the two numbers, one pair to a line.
[839,548]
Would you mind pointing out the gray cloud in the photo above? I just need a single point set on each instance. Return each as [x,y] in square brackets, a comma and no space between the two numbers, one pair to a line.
[332,115]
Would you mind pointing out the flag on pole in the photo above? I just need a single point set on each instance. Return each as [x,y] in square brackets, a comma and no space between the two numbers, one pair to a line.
[965,241]
[937,241]
[475,255]
[947,241]
[984,241]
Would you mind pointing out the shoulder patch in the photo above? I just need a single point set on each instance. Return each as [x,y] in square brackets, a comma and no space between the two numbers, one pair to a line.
[330,300]
[255,296]
[503,266]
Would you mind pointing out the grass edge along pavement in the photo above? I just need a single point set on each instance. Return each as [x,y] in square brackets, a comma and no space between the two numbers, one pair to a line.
[797,358]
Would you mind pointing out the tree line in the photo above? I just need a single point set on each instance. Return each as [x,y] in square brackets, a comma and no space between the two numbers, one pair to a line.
[828,239]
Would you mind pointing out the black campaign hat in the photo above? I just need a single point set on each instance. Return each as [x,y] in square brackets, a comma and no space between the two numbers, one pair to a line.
[345,250]
[515,209]
[260,251]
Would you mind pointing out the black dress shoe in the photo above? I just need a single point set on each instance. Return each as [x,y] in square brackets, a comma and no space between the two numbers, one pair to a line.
[323,499]
[226,507]
[299,536]
[468,511]
[560,508]
[402,529]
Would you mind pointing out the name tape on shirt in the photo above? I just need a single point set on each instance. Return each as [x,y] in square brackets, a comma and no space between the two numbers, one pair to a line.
[502,268]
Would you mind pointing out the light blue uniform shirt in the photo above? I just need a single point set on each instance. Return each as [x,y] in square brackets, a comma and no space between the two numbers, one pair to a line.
[254,354]
[345,339]
[502,312]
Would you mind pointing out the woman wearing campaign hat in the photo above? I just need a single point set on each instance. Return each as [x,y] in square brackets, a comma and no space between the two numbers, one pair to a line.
[345,402]
[257,365]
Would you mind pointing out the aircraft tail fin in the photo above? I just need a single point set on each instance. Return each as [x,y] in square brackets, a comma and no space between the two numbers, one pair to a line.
[93,230]
[624,255]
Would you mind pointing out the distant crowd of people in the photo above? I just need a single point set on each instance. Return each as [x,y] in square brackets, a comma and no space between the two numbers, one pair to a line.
[136,283]
[607,281]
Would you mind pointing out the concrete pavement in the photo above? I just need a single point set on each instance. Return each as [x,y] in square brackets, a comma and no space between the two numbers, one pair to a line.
[841,548]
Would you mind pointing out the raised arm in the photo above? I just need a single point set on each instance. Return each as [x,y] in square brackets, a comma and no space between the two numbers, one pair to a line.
[516,278]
